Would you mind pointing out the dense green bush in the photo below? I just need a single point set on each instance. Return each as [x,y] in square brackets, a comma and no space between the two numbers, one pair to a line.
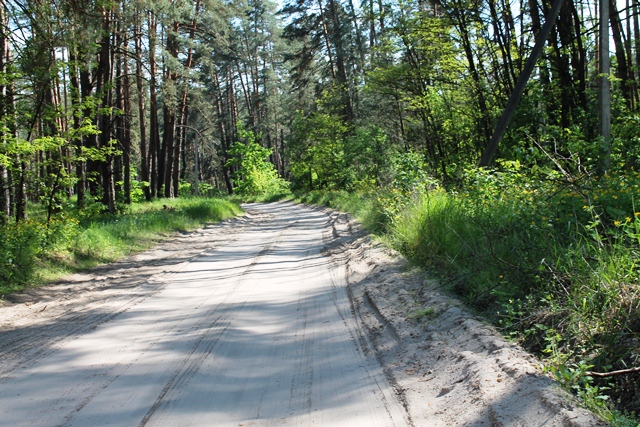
[255,175]
[19,247]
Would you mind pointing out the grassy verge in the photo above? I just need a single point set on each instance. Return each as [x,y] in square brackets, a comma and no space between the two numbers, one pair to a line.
[262,198]
[552,262]
[34,251]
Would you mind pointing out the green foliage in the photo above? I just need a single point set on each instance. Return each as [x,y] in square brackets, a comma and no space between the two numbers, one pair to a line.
[317,152]
[409,173]
[364,206]
[255,175]
[626,144]
[206,189]
[418,315]
[435,97]
[326,154]
[185,188]
[36,250]
[559,260]
[409,181]
[137,190]
[553,259]
[19,247]
[53,155]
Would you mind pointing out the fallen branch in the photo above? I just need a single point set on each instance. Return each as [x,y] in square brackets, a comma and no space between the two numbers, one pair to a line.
[612,373]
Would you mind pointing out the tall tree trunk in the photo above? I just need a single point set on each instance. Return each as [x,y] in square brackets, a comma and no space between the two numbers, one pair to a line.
[626,37]
[76,101]
[104,71]
[126,131]
[500,36]
[21,192]
[623,67]
[5,194]
[636,37]
[222,129]
[169,113]
[182,118]
[325,34]
[144,158]
[342,77]
[483,124]
[579,59]
[154,131]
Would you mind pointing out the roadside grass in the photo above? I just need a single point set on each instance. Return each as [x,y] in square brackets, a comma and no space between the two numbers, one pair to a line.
[364,206]
[552,262]
[268,197]
[35,252]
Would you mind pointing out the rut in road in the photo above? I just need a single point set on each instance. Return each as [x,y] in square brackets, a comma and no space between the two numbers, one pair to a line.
[257,331]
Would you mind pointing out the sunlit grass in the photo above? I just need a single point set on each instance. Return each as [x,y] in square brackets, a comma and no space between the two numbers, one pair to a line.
[553,262]
[34,252]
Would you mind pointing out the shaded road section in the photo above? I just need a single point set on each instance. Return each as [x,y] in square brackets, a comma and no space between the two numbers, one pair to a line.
[255,331]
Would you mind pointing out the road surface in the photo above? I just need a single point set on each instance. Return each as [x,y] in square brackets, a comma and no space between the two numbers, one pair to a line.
[255,330]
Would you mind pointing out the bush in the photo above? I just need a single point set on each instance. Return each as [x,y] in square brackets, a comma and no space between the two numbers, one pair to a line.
[20,245]
[255,175]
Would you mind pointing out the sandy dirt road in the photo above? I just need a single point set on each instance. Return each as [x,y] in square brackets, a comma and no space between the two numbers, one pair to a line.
[253,327]
[287,316]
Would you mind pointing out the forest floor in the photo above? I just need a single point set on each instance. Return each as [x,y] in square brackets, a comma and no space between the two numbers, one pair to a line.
[363,338]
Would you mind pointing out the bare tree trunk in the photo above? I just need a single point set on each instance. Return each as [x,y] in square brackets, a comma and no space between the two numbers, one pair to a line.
[21,193]
[342,77]
[144,158]
[169,112]
[325,33]
[77,122]
[605,86]
[105,73]
[627,47]
[636,37]
[499,34]
[154,132]
[484,123]
[223,134]
[183,105]
[5,194]
[126,131]
[623,67]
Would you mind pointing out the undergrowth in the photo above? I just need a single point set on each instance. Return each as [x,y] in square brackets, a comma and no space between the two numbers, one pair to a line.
[552,260]
[35,251]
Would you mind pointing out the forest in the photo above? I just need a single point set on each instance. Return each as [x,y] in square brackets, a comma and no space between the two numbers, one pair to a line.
[386,108]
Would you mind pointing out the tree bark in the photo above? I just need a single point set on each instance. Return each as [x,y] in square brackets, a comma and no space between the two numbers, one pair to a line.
[623,72]
[342,77]
[169,113]
[104,71]
[5,193]
[144,158]
[154,131]
[126,131]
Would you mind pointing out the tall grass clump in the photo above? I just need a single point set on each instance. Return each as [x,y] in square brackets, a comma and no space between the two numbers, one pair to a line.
[35,251]
[480,237]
